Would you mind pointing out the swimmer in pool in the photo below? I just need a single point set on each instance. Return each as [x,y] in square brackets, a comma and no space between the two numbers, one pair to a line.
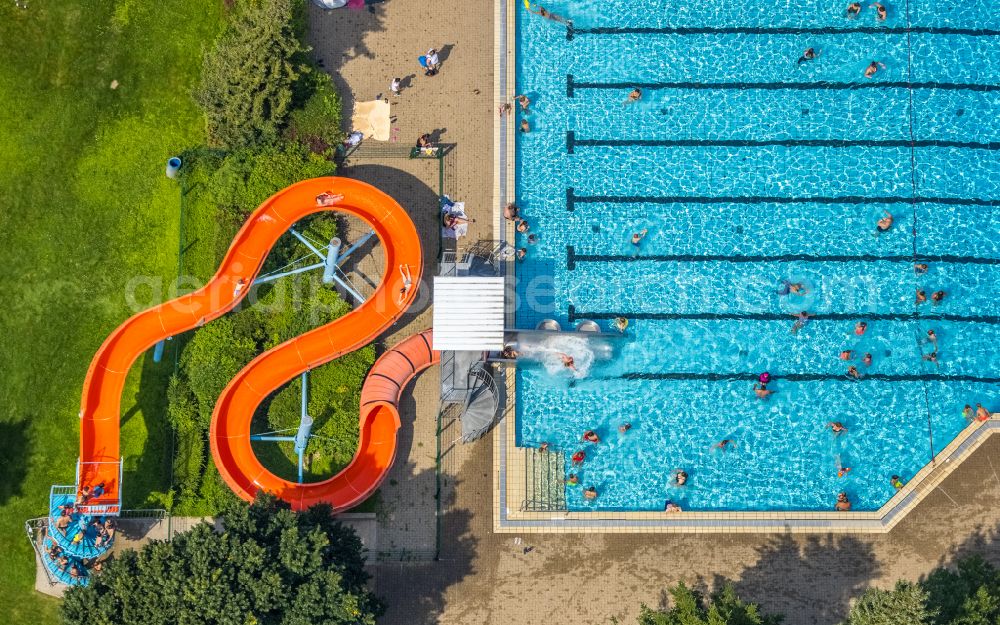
[921,296]
[937,297]
[801,320]
[578,458]
[572,480]
[624,427]
[843,503]
[792,287]
[540,10]
[760,389]
[847,354]
[853,10]
[620,324]
[853,372]
[883,224]
[932,357]
[867,360]
[880,12]
[590,493]
[543,447]
[525,127]
[568,362]
[920,268]
[671,507]
[967,412]
[982,414]
[634,95]
[860,328]
[638,236]
[932,337]
[837,427]
[808,55]
[523,226]
[896,482]
[871,70]
[680,477]
[591,437]
[524,101]
[723,443]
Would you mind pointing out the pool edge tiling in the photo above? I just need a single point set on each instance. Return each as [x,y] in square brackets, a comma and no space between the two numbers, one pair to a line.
[510,461]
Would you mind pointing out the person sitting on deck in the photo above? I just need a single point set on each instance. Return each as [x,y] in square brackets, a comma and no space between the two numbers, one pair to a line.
[982,414]
[83,496]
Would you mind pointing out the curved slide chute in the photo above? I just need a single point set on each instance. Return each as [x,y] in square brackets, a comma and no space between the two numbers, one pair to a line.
[230,430]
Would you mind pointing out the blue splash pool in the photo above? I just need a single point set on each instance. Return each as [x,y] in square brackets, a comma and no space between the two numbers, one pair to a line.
[749,169]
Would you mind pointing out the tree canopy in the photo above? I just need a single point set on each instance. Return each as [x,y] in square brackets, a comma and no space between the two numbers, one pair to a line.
[249,77]
[269,565]
[690,608]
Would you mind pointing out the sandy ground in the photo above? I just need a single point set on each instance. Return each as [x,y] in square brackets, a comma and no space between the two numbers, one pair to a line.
[484,577]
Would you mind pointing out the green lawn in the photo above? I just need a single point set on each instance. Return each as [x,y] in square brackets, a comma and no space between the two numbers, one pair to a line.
[87,221]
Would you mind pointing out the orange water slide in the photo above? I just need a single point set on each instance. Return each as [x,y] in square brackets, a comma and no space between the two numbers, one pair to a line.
[101,403]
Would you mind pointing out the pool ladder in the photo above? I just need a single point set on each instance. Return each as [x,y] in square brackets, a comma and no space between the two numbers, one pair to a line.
[544,481]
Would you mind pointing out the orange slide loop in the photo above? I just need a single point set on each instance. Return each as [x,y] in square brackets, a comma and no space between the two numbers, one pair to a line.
[230,429]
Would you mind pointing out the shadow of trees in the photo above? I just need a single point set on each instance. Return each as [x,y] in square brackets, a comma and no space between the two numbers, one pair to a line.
[14,452]
[809,579]
[414,592]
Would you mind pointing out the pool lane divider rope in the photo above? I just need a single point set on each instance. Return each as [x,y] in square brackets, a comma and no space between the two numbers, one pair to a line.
[572,32]
[572,86]
[575,315]
[573,258]
[572,143]
[572,199]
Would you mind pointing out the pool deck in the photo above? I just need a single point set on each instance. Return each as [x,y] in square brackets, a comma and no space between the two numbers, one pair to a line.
[486,576]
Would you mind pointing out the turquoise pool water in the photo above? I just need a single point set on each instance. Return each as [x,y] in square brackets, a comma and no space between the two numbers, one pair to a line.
[748,169]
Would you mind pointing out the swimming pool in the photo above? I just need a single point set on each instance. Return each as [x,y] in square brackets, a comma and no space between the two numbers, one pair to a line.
[749,169]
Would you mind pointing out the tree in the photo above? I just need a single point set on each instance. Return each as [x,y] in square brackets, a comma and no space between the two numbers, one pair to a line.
[968,595]
[269,565]
[248,81]
[689,608]
[906,604]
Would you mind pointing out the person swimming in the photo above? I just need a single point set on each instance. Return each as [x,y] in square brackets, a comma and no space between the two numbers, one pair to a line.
[847,354]
[568,361]
[638,237]
[968,413]
[937,297]
[870,71]
[932,337]
[590,493]
[837,427]
[853,372]
[591,437]
[896,482]
[680,477]
[578,458]
[867,360]
[920,268]
[885,223]
[624,427]
[671,507]
[860,328]
[572,480]
[761,391]
[796,288]
[620,324]
[921,296]
[982,414]
[808,55]
[880,12]
[634,95]
[801,320]
[843,503]
[723,443]
[853,10]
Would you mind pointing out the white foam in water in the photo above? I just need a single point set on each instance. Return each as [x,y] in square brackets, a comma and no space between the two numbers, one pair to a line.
[550,350]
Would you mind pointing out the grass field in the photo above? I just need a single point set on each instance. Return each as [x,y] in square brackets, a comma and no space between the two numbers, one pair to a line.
[85,210]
